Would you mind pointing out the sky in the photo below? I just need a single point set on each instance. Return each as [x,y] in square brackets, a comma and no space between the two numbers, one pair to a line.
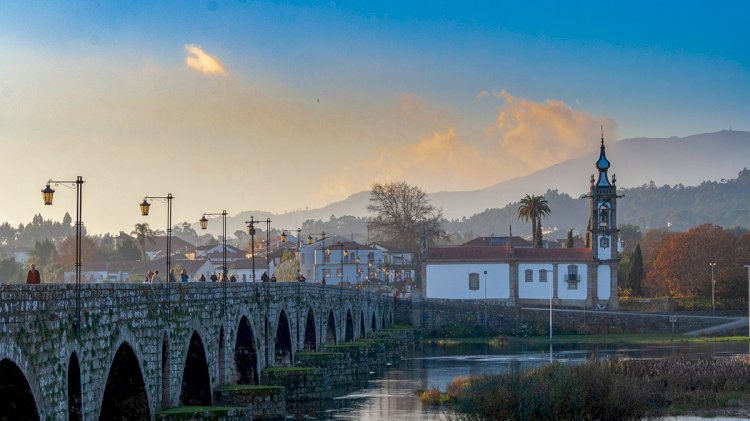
[281,106]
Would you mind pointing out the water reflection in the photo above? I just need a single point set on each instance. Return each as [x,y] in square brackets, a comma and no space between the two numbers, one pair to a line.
[391,395]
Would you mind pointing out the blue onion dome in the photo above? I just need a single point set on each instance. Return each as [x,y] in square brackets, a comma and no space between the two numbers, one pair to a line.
[603,163]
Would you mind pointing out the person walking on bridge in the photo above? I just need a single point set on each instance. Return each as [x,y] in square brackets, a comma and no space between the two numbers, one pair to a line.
[33,277]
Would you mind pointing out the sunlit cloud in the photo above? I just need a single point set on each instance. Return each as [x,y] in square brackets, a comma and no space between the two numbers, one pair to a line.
[527,136]
[202,62]
[536,135]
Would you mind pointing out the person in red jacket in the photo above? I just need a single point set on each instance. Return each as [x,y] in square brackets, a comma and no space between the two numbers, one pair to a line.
[33,277]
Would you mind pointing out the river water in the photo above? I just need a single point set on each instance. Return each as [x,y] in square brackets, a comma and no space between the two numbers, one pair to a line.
[391,395]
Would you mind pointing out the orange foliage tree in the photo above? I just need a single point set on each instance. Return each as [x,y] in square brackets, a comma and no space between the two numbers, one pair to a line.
[680,266]
[66,252]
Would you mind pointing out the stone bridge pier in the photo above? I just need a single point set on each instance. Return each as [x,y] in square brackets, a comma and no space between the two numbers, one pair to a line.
[142,348]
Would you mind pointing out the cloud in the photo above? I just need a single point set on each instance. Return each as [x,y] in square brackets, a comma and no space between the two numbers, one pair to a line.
[526,136]
[202,62]
[538,134]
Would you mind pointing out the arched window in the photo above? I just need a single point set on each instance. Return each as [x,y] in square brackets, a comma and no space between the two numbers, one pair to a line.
[604,216]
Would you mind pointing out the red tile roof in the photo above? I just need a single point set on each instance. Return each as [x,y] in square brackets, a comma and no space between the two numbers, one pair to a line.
[487,253]
[498,241]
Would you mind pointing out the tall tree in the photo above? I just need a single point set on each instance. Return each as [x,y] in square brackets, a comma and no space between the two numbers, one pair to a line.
[635,272]
[403,215]
[143,232]
[43,253]
[534,208]
[569,239]
[288,269]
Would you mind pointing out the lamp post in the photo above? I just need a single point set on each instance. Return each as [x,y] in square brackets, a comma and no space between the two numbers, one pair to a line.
[713,287]
[47,195]
[344,253]
[356,263]
[145,207]
[748,300]
[550,319]
[268,241]
[251,231]
[204,224]
[310,240]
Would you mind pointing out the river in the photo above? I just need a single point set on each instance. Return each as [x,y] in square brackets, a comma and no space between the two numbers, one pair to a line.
[391,395]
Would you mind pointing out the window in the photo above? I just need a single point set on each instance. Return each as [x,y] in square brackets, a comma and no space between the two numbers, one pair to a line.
[339,273]
[543,275]
[473,281]
[572,277]
[327,273]
[603,216]
[529,275]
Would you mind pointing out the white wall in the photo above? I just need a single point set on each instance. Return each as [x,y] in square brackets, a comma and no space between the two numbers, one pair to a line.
[451,280]
[534,289]
[563,292]
[605,254]
[603,277]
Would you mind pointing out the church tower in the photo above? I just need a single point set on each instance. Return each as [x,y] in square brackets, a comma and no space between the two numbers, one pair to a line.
[603,231]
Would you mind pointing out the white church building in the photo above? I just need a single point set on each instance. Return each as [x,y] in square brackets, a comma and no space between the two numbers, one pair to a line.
[501,268]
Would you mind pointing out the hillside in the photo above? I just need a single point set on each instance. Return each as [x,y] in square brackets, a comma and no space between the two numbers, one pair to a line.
[725,203]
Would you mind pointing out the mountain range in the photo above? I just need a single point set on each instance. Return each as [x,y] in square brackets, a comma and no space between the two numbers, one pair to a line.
[685,161]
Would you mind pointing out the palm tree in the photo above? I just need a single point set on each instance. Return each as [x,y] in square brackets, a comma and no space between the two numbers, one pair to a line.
[534,208]
[143,232]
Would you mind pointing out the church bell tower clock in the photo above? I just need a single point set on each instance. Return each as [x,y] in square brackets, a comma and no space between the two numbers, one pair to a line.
[603,231]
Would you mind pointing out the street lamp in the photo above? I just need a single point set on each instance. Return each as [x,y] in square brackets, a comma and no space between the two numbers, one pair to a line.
[356,263]
[283,236]
[344,253]
[310,241]
[145,207]
[251,231]
[713,287]
[204,224]
[47,195]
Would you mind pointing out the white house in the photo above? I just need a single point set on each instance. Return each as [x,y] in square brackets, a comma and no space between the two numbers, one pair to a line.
[495,268]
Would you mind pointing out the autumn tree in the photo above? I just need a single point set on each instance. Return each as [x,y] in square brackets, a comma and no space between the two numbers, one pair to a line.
[288,268]
[66,253]
[681,266]
[403,215]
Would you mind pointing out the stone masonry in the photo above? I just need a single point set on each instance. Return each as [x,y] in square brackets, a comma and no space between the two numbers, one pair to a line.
[37,332]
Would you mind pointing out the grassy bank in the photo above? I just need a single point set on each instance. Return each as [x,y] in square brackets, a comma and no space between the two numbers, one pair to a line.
[604,390]
[614,339]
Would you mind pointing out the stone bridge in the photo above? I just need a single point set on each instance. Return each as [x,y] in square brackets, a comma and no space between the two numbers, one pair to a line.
[142,348]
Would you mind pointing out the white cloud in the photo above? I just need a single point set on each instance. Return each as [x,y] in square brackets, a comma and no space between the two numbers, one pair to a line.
[202,62]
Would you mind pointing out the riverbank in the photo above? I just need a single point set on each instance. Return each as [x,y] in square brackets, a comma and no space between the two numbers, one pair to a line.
[605,339]
[610,389]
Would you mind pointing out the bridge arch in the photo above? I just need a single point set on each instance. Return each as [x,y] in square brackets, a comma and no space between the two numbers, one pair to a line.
[310,339]
[283,341]
[125,395]
[75,409]
[166,372]
[246,353]
[18,400]
[222,357]
[349,331]
[331,329]
[362,333]
[196,382]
